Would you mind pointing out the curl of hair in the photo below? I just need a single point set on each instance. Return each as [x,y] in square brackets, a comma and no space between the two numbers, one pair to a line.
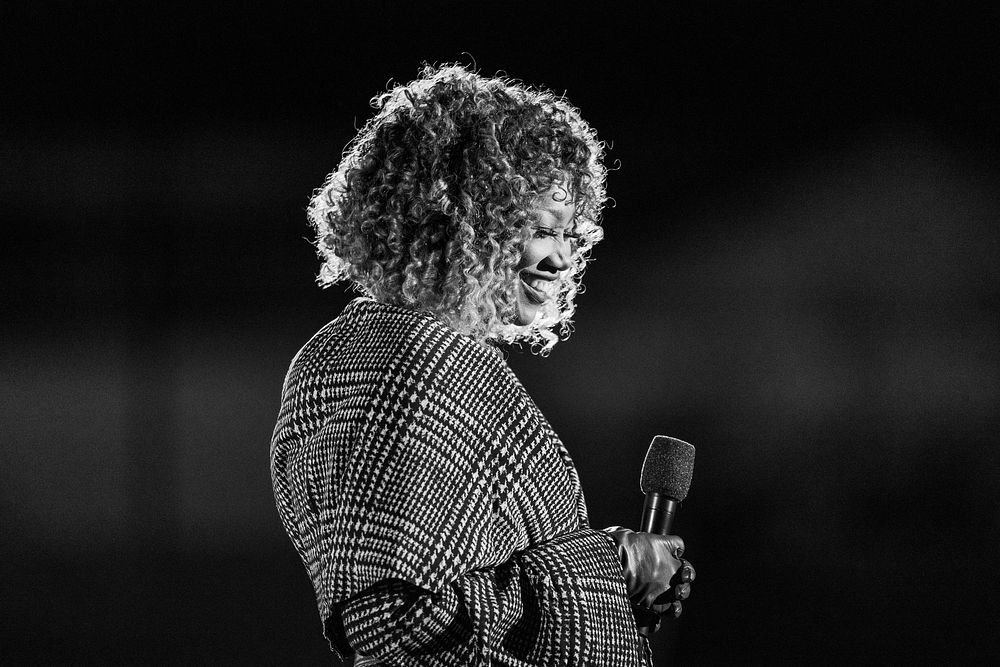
[432,204]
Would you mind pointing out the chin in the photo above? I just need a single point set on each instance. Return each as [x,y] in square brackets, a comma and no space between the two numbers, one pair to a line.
[525,315]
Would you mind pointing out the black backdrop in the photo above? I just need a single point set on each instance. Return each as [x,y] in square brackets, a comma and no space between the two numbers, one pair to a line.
[800,277]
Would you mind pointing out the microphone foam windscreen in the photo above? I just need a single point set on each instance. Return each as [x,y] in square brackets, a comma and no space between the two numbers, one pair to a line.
[668,468]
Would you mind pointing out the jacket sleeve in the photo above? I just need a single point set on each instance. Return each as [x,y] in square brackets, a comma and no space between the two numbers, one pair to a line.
[417,573]
[559,603]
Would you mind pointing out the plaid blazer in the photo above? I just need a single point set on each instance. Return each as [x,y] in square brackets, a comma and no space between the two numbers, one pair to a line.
[438,515]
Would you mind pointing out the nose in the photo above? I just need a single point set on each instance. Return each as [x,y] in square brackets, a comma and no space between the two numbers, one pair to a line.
[559,258]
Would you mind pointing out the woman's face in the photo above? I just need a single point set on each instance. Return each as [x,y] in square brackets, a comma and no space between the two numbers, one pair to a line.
[546,254]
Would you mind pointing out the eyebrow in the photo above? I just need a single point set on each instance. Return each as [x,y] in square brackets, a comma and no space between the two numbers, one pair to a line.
[559,211]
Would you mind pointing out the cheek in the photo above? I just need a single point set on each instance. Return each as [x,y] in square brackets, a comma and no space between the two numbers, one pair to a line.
[533,253]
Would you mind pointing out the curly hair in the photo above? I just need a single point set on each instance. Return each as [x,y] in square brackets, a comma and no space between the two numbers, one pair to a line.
[432,203]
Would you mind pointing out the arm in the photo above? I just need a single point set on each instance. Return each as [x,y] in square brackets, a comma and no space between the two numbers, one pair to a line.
[560,603]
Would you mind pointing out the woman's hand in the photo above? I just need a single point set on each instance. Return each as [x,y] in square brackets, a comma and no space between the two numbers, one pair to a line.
[656,577]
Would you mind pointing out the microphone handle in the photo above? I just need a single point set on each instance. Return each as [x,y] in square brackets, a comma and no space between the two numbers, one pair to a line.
[658,514]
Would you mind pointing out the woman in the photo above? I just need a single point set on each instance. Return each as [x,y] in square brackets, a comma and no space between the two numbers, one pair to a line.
[439,516]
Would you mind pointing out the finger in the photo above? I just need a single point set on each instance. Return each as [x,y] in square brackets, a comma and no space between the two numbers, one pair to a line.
[685,573]
[676,545]
[648,619]
[655,624]
[672,610]
[663,609]
[682,591]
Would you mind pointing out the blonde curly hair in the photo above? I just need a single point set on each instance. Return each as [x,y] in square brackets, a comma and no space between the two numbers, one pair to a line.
[432,203]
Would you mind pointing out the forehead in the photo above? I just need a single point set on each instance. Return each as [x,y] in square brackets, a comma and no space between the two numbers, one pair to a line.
[557,201]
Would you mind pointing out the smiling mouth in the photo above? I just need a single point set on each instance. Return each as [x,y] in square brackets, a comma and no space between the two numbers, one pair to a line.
[534,294]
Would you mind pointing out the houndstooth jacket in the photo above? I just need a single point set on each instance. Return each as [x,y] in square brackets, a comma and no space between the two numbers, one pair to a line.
[438,515]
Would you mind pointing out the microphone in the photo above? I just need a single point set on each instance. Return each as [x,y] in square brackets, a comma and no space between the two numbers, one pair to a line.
[665,479]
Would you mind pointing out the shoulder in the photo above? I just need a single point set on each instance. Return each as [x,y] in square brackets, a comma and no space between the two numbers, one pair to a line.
[382,346]
[408,341]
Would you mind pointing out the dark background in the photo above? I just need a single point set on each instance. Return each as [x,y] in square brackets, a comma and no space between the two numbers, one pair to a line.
[800,277]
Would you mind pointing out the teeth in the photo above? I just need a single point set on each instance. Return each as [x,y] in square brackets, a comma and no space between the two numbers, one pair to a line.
[538,284]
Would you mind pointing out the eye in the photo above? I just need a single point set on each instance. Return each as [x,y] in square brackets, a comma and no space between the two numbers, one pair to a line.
[545,232]
[572,238]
